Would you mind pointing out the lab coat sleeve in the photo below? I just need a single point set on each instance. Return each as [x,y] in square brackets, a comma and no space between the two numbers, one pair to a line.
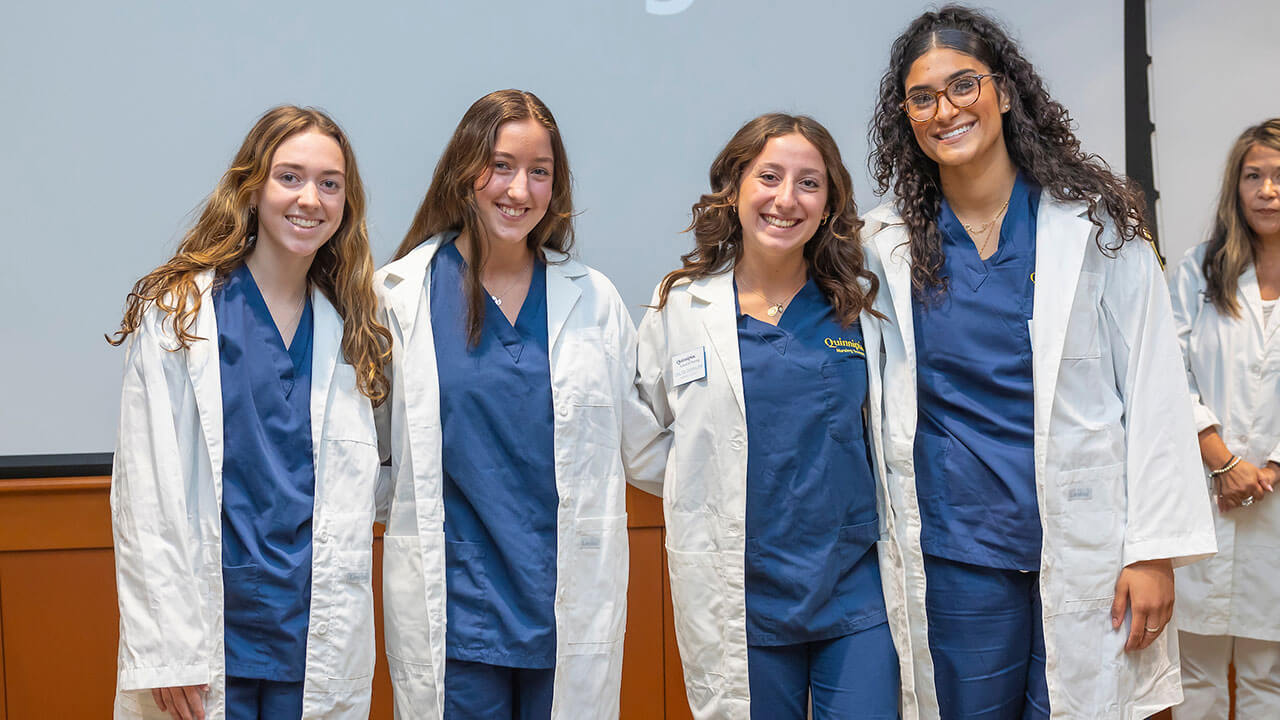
[1188,303]
[163,634]
[645,440]
[651,391]
[1168,510]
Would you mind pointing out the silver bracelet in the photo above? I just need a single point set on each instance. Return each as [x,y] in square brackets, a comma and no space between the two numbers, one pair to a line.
[1231,464]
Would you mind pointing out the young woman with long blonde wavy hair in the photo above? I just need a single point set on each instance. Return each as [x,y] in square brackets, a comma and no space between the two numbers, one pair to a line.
[244,479]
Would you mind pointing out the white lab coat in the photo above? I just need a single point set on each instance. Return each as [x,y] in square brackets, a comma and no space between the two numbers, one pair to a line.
[166,517]
[1117,471]
[1233,368]
[704,494]
[592,359]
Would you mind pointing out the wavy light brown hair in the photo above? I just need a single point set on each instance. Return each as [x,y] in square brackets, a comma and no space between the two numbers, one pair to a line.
[225,234]
[1231,241]
[450,202]
[1037,133]
[833,255]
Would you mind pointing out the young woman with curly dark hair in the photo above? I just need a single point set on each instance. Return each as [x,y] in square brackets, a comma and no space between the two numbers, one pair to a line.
[755,355]
[1040,446]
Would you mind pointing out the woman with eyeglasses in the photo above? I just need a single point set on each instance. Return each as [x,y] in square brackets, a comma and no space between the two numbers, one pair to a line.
[1039,440]
[1224,296]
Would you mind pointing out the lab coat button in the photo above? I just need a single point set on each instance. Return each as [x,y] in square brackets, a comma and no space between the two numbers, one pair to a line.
[736,443]
[322,628]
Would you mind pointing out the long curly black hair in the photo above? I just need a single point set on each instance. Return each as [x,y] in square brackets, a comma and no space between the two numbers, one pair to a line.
[1037,133]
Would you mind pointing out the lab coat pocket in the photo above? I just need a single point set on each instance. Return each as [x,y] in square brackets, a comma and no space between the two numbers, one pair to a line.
[698,597]
[347,477]
[350,413]
[840,379]
[1082,324]
[1088,522]
[404,601]
[596,584]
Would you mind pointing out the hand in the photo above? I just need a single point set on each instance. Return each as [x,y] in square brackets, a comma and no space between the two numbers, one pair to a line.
[185,702]
[1244,481]
[1146,590]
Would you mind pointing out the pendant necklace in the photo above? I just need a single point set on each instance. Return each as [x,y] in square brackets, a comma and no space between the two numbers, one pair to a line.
[497,299]
[774,308]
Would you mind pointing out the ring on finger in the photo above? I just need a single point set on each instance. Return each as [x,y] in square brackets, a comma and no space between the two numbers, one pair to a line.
[1153,629]
[1247,501]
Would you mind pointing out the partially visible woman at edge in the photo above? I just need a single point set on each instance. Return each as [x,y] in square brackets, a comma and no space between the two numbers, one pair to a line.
[242,492]
[1224,297]
[1037,424]
[755,354]
[514,370]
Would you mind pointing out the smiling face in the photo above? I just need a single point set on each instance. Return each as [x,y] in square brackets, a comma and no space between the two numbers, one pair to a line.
[1260,191]
[782,196]
[301,205]
[956,137]
[512,195]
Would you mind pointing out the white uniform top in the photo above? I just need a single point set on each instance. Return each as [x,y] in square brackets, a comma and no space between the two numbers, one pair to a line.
[704,491]
[1233,368]
[166,519]
[1117,471]
[592,357]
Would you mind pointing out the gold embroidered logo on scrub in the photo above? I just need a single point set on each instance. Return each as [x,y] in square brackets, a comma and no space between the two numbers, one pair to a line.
[841,345]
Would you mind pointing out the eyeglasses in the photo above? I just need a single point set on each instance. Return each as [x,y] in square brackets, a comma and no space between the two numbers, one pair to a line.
[961,92]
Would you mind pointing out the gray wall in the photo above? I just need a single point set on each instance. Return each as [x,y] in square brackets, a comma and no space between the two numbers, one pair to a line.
[1216,72]
[119,117]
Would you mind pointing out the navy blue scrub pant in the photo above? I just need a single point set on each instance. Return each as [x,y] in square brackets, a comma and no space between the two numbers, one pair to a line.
[250,699]
[853,676]
[986,637]
[477,691]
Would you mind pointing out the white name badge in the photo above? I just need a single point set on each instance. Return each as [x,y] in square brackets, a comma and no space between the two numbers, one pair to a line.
[689,366]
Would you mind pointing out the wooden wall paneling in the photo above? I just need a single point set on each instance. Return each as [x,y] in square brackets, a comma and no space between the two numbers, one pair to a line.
[381,709]
[60,633]
[642,662]
[4,714]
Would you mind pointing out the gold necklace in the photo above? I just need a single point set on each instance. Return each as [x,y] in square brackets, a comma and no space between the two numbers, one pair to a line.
[774,308]
[975,230]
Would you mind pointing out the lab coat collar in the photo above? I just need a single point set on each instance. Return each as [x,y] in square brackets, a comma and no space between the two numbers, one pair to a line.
[1250,298]
[1063,234]
[562,291]
[720,321]
[206,376]
[405,278]
[326,348]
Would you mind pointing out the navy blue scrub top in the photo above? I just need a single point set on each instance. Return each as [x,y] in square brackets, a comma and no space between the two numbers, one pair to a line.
[975,468]
[499,474]
[268,483]
[811,573]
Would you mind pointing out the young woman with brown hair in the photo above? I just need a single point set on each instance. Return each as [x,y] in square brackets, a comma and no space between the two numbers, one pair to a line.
[512,407]
[755,355]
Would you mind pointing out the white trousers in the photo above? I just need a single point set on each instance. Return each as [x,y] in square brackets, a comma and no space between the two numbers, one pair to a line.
[1204,677]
